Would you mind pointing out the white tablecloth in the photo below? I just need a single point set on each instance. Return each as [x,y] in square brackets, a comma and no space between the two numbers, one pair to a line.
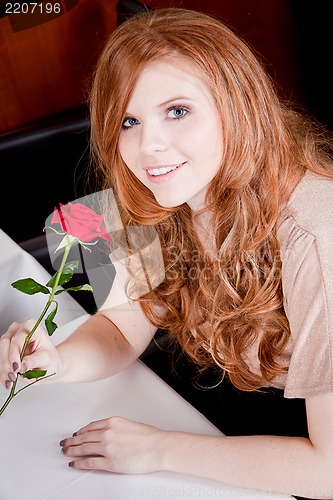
[31,464]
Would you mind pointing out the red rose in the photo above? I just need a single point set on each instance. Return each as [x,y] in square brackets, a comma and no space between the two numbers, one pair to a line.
[81,222]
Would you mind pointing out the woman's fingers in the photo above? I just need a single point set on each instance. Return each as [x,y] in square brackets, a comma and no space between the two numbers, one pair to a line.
[115,444]
[83,450]
[93,463]
[92,432]
[89,452]
[11,346]
[79,439]
[95,425]
[15,349]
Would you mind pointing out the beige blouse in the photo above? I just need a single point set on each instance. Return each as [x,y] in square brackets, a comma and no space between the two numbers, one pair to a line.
[306,242]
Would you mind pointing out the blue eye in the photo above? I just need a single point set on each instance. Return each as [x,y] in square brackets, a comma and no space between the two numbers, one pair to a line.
[177,112]
[129,122]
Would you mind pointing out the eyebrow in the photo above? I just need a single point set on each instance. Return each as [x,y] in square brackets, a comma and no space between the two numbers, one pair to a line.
[174,99]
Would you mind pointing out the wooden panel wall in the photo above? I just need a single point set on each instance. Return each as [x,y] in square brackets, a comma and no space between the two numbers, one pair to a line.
[45,59]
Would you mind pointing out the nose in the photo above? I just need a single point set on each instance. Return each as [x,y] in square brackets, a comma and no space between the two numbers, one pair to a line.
[152,139]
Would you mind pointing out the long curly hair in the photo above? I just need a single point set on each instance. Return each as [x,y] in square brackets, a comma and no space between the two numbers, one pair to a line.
[217,306]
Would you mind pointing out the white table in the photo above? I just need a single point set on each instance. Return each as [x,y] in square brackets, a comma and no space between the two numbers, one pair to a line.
[31,464]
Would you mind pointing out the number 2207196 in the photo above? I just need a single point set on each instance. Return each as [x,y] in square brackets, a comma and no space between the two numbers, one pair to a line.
[32,7]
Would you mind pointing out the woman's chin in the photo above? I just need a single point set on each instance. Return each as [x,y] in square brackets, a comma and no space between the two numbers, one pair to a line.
[170,203]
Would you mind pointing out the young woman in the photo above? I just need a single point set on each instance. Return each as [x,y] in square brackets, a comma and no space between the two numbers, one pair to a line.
[191,137]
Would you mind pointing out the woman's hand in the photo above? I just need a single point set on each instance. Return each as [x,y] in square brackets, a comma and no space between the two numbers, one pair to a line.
[116,445]
[41,353]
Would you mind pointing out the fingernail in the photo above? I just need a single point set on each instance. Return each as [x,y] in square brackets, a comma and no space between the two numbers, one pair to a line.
[62,442]
[12,376]
[74,434]
[15,366]
[8,384]
[71,464]
[63,450]
[24,367]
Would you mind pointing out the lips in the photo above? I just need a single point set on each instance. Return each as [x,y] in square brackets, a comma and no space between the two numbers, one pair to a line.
[157,174]
[161,170]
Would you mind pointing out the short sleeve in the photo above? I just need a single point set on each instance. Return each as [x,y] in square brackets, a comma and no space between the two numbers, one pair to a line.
[307,279]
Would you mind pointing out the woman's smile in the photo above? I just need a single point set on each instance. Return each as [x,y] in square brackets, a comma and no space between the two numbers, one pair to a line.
[162,173]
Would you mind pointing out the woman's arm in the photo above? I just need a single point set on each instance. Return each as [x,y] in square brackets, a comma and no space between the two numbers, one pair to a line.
[103,345]
[106,343]
[289,465]
[98,349]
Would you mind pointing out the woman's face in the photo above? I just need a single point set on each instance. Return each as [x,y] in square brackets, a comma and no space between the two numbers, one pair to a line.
[171,135]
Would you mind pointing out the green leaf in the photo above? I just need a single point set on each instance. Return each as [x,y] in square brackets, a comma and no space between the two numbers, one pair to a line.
[30,286]
[66,275]
[84,288]
[34,374]
[51,326]
[71,266]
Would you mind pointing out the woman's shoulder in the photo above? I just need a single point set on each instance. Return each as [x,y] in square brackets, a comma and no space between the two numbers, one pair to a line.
[307,220]
[311,204]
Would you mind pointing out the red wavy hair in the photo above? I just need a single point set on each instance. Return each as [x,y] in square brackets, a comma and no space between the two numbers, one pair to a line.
[217,307]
